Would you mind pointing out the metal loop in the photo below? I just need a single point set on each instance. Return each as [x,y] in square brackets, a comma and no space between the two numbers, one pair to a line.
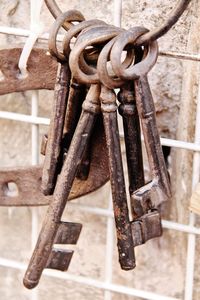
[104,77]
[69,16]
[56,12]
[160,31]
[98,35]
[148,37]
[106,53]
[139,69]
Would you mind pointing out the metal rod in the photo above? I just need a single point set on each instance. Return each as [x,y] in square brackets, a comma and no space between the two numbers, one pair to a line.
[167,24]
[109,250]
[24,118]
[190,262]
[106,213]
[35,161]
[25,33]
[180,55]
[45,121]
[90,282]
[117,16]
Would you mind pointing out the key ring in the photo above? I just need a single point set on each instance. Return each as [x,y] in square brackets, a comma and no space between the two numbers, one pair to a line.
[97,35]
[114,50]
[106,53]
[102,67]
[141,68]
[148,37]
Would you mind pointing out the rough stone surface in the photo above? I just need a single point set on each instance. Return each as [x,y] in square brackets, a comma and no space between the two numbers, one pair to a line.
[160,263]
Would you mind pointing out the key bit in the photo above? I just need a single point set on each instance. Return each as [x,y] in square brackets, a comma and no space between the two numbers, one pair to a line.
[68,233]
[59,259]
[146,227]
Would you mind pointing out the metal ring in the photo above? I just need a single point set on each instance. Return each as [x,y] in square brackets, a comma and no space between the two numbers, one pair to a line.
[104,56]
[69,16]
[141,68]
[56,12]
[145,39]
[166,26]
[97,35]
[104,77]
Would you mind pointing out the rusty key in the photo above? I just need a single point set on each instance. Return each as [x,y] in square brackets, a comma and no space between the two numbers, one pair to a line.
[44,249]
[120,207]
[158,190]
[146,222]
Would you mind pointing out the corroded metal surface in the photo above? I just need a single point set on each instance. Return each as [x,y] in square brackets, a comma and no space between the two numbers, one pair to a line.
[55,132]
[77,147]
[28,179]
[148,37]
[44,246]
[41,71]
[132,135]
[120,206]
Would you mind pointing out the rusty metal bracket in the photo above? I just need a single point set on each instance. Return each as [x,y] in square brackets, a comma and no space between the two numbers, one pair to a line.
[27,180]
[41,71]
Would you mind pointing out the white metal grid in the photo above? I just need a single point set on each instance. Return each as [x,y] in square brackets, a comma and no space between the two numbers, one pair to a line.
[33,34]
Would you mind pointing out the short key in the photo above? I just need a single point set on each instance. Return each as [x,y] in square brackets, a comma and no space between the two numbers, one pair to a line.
[120,207]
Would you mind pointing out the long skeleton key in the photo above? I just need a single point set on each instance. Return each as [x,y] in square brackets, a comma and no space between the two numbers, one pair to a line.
[132,134]
[120,207]
[147,224]
[158,190]
[44,248]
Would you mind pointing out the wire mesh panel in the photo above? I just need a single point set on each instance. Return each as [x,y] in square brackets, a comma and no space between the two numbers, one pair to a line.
[94,272]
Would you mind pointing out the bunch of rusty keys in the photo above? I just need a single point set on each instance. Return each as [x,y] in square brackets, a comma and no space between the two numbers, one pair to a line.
[94,64]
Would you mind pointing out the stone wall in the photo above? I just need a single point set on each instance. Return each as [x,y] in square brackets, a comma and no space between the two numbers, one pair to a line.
[160,263]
